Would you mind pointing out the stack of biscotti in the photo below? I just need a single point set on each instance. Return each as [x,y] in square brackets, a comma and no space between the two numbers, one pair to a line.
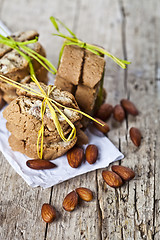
[24,122]
[15,67]
[81,72]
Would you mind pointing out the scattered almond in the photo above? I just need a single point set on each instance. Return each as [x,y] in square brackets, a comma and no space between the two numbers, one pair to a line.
[48,213]
[39,164]
[118,113]
[124,172]
[75,157]
[104,111]
[112,179]
[70,201]
[85,194]
[129,107]
[104,129]
[91,153]
[135,136]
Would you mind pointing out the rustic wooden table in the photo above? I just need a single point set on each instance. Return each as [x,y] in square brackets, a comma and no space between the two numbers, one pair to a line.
[128,29]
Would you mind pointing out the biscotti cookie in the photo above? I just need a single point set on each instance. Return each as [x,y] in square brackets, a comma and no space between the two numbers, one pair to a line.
[88,72]
[50,151]
[64,84]
[9,97]
[41,75]
[86,97]
[16,67]
[93,69]
[63,97]
[2,102]
[25,112]
[27,130]
[71,64]
[23,117]
[20,37]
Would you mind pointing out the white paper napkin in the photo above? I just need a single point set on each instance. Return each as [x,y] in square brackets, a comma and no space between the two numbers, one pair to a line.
[50,177]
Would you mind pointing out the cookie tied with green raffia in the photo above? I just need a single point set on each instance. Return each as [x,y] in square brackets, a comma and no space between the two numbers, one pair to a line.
[81,70]
[15,66]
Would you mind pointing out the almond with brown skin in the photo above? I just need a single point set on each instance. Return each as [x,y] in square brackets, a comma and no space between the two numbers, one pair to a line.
[104,129]
[70,201]
[129,107]
[91,153]
[48,213]
[104,111]
[39,164]
[118,113]
[85,194]
[75,157]
[112,179]
[135,136]
[124,172]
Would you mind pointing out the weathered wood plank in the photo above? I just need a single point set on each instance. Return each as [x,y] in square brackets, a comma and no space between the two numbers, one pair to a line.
[20,206]
[131,212]
[140,192]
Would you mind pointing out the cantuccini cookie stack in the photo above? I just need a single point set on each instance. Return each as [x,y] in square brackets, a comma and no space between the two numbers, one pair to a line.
[81,72]
[24,121]
[14,66]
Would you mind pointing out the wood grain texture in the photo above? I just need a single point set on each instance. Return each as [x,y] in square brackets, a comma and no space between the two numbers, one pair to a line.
[128,30]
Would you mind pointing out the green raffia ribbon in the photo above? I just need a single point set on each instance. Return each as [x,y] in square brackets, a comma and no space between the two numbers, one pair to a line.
[28,53]
[73,40]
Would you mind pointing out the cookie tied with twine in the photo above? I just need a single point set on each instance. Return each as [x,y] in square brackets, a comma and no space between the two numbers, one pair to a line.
[54,108]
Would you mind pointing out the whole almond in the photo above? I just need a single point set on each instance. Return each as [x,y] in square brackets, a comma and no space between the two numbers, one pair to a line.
[39,164]
[2,102]
[118,113]
[75,157]
[112,179]
[129,107]
[85,194]
[135,136]
[104,111]
[70,201]
[48,213]
[104,129]
[124,172]
[91,153]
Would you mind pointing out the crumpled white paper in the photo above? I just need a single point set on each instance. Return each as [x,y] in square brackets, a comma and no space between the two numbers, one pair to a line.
[50,177]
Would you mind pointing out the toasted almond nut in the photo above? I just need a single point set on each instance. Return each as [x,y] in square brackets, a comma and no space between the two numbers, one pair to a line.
[70,201]
[91,153]
[129,107]
[118,113]
[104,111]
[124,172]
[135,136]
[112,179]
[85,194]
[39,164]
[75,157]
[48,213]
[104,129]
[2,102]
